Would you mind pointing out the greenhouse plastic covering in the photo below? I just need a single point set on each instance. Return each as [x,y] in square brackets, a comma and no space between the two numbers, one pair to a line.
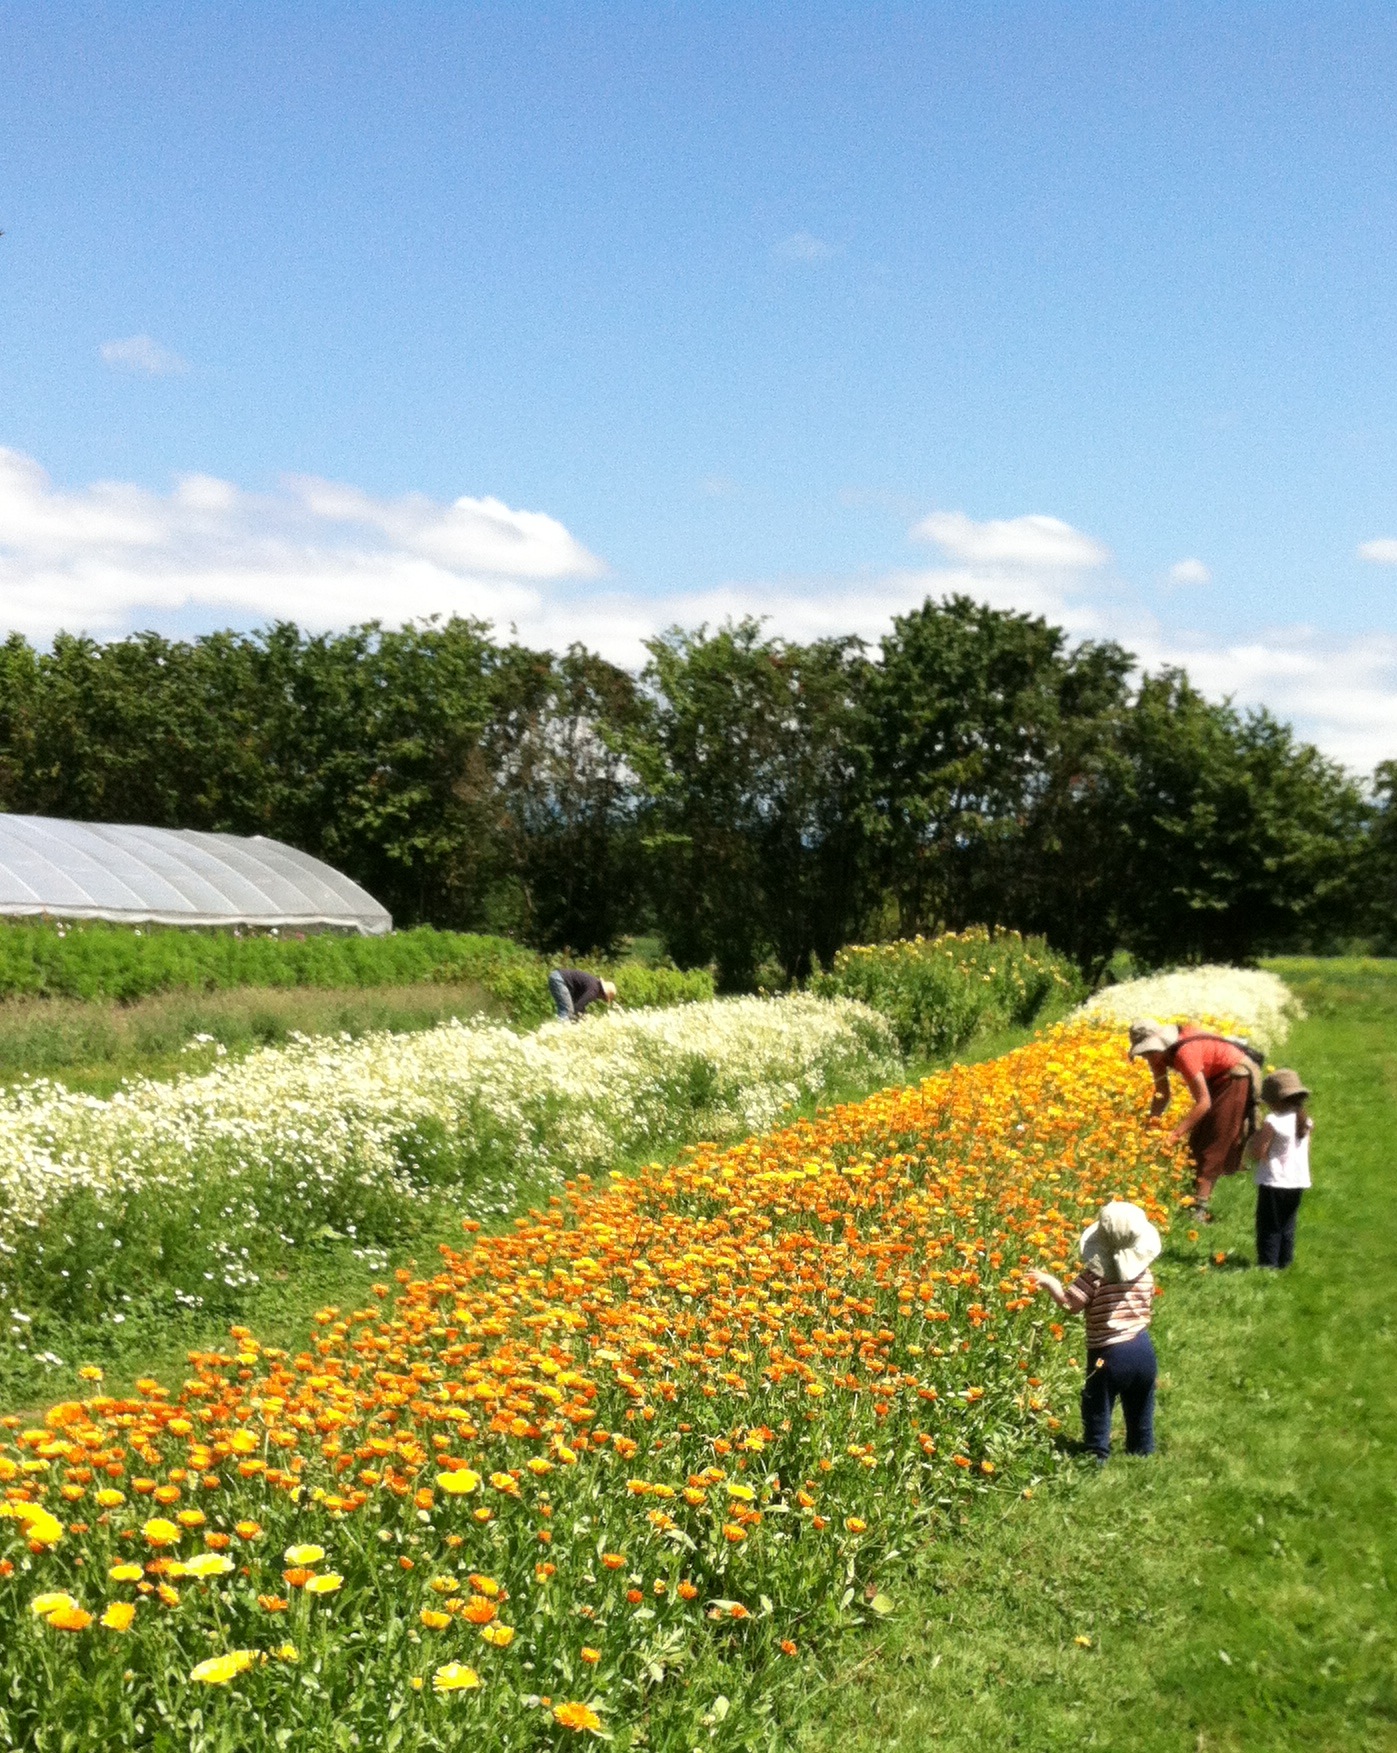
[173,876]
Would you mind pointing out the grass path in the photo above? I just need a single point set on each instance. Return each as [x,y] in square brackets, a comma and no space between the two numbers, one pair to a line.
[1237,1590]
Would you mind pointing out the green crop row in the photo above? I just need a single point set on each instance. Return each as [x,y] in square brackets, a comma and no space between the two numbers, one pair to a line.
[53,960]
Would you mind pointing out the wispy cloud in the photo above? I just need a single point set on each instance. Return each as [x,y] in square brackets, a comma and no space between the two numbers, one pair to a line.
[142,356]
[802,246]
[1035,542]
[1382,552]
[1190,572]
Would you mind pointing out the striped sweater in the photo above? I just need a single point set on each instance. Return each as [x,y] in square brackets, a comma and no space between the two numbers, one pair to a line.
[1114,1311]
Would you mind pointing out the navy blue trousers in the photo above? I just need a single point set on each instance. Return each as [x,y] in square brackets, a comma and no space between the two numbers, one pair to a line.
[1276,1211]
[1125,1372]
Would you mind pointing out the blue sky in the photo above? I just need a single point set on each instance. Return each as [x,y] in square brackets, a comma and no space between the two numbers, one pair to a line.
[698,309]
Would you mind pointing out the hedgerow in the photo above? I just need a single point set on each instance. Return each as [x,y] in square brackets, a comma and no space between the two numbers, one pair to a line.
[940,992]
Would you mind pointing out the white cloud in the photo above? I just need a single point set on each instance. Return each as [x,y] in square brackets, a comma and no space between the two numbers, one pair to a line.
[1034,542]
[802,247]
[1190,572]
[111,555]
[1383,552]
[139,354]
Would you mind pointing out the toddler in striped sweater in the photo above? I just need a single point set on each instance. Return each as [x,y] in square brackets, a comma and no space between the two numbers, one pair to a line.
[1115,1291]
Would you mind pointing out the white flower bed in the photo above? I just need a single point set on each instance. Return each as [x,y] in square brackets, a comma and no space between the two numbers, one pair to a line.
[345,1134]
[1250,1001]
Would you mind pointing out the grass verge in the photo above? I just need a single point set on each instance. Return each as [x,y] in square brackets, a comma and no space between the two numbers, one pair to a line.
[1235,1592]
[92,1045]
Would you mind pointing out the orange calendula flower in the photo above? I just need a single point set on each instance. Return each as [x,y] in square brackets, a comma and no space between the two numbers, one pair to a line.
[613,1560]
[856,1524]
[273,1603]
[576,1716]
[297,1577]
[590,1656]
[478,1610]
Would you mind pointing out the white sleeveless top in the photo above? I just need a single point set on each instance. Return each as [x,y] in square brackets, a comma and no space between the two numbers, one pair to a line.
[1287,1159]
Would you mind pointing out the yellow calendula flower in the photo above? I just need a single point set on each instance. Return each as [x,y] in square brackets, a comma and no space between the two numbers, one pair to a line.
[455,1677]
[287,1652]
[37,1522]
[126,1573]
[326,1584]
[110,1499]
[219,1670]
[159,1532]
[119,1615]
[42,1605]
[299,1555]
[499,1635]
[458,1482]
[207,1564]
[433,1619]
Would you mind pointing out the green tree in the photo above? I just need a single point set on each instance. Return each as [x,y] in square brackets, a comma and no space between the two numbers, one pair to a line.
[755,777]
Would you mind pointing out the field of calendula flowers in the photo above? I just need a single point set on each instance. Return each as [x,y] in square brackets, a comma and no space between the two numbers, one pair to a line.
[615,1471]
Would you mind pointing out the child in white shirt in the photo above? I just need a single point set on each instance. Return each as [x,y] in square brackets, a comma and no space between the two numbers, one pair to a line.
[1281,1151]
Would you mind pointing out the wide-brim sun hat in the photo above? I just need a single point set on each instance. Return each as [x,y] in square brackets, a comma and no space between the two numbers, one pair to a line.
[1121,1243]
[608,991]
[1148,1036]
[1282,1086]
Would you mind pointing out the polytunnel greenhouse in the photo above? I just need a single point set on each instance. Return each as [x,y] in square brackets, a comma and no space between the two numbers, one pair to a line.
[173,876]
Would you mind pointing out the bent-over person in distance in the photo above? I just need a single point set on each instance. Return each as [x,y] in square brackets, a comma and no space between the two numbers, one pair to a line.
[1218,1075]
[572,991]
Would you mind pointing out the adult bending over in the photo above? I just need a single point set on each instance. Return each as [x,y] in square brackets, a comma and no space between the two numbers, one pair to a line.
[572,991]
[1218,1075]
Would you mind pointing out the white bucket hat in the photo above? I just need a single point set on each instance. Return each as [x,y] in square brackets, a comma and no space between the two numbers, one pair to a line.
[1121,1243]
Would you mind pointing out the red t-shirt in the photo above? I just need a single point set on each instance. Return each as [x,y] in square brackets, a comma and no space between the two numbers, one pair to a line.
[1212,1057]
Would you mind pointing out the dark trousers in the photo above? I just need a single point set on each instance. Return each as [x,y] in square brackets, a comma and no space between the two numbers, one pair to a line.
[1276,1211]
[1125,1372]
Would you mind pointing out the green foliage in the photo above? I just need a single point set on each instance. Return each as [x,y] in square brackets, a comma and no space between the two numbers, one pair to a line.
[94,961]
[754,776]
[940,993]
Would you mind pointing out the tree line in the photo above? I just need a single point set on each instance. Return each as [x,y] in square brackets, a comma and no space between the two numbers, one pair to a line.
[754,801]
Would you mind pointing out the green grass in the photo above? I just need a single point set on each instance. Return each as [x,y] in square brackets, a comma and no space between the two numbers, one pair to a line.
[1236,1589]
[93,1045]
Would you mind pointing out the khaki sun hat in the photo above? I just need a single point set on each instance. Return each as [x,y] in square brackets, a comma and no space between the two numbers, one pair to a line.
[1147,1036]
[1121,1243]
[1281,1086]
[608,991]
